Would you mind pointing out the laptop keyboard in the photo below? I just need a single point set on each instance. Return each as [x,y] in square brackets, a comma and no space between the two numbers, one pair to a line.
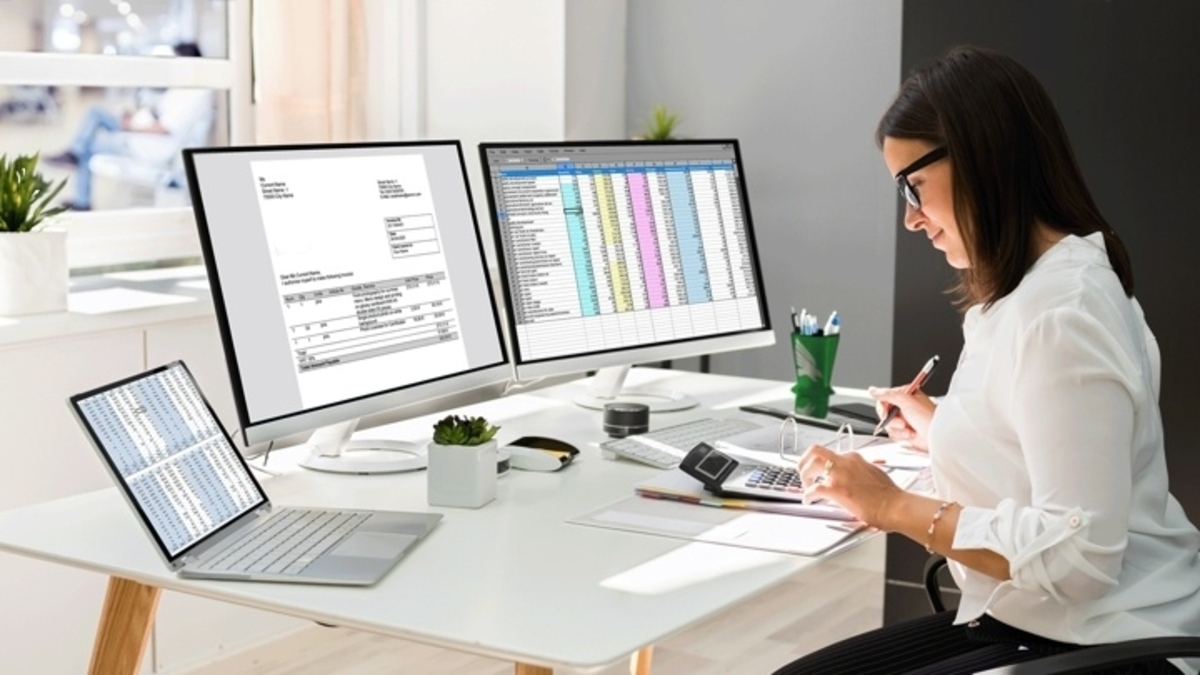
[287,542]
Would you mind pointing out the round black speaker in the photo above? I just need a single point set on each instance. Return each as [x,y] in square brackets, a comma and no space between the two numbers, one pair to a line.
[624,419]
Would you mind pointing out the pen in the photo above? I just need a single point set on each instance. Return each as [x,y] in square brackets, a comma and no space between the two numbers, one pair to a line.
[912,388]
[833,325]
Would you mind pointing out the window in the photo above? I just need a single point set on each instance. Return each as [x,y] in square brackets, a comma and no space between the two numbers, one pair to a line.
[117,74]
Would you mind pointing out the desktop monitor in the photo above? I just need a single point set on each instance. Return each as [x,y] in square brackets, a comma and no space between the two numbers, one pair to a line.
[348,280]
[624,252]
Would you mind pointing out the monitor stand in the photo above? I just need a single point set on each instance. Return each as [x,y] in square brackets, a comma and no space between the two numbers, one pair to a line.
[608,387]
[330,449]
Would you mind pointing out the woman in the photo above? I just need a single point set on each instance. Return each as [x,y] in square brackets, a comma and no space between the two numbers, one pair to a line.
[1047,451]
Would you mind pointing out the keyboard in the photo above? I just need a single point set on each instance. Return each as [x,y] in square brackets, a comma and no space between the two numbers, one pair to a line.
[665,448]
[287,542]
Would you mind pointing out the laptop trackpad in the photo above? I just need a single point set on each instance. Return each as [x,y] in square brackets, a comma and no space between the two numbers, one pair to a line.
[374,544]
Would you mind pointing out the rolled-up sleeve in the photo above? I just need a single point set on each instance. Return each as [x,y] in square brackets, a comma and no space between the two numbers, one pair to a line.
[1073,414]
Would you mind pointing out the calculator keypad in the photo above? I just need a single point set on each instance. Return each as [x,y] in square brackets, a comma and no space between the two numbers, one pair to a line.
[775,479]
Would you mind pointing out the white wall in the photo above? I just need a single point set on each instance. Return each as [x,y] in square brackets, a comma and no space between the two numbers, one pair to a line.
[595,74]
[802,85]
[511,71]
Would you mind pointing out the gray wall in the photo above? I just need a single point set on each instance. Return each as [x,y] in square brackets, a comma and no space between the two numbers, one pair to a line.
[801,85]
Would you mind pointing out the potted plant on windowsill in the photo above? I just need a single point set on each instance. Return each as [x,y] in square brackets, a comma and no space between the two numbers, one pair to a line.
[462,462]
[33,260]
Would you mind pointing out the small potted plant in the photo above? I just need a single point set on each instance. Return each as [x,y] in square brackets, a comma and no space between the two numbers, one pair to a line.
[33,261]
[462,462]
[661,126]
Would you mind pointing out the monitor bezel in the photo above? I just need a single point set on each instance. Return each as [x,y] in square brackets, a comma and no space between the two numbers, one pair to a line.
[359,407]
[623,356]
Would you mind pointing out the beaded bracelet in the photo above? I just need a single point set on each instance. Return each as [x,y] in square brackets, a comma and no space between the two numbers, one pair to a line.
[933,523]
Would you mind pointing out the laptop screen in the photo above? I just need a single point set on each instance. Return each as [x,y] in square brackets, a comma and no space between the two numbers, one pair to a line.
[168,452]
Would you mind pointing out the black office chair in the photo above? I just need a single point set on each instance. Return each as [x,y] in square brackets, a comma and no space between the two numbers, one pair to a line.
[1084,660]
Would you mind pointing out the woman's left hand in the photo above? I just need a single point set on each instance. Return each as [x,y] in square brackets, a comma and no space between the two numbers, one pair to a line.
[858,486]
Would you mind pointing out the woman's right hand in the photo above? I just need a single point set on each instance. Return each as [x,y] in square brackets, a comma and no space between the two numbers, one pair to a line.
[911,424]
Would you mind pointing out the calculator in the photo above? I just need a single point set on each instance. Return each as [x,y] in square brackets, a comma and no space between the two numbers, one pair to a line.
[725,476]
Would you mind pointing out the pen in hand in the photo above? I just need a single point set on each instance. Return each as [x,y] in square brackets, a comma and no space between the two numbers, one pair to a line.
[912,388]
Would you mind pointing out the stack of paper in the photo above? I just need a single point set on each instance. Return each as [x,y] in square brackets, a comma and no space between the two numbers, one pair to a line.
[781,526]
[761,531]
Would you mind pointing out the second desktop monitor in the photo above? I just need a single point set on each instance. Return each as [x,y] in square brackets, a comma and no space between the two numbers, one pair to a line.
[615,253]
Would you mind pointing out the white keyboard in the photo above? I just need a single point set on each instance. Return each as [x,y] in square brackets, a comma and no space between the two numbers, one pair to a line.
[665,448]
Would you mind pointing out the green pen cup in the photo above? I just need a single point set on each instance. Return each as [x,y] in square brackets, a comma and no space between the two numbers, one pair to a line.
[813,356]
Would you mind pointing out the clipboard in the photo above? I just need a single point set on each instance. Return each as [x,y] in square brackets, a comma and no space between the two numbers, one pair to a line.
[761,531]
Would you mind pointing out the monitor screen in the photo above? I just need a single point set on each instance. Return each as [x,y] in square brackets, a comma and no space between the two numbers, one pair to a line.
[624,252]
[347,279]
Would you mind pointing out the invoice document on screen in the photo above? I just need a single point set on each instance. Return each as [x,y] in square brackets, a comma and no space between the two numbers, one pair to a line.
[361,273]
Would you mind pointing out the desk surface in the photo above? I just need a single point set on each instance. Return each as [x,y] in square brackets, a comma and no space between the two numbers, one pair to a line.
[511,580]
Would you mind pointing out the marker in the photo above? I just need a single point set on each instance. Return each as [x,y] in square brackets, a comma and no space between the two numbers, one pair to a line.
[833,324]
[912,388]
[795,321]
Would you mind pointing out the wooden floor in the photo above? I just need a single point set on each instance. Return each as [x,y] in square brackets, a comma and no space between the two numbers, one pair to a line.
[837,599]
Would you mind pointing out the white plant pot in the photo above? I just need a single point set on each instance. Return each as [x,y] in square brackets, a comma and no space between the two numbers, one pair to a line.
[462,475]
[33,272]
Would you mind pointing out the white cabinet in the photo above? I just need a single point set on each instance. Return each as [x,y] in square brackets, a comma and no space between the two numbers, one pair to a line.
[46,456]
[43,361]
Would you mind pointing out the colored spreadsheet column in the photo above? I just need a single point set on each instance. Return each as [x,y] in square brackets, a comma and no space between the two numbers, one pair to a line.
[612,241]
[643,218]
[581,256]
[687,232]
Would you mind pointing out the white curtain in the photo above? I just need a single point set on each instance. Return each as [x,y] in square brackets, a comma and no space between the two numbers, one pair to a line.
[309,71]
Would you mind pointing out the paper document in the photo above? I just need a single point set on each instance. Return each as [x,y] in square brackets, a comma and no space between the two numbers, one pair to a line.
[762,531]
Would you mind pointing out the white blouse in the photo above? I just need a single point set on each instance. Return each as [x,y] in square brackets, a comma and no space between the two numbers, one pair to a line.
[1051,439]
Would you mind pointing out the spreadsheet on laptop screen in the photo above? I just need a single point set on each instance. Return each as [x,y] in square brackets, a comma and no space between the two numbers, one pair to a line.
[168,449]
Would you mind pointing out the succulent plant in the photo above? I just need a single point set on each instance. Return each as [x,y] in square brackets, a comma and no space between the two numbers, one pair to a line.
[463,430]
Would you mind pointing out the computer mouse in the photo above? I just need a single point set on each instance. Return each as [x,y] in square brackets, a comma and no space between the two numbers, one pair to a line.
[538,453]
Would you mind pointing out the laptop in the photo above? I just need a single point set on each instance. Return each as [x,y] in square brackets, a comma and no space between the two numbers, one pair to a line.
[208,516]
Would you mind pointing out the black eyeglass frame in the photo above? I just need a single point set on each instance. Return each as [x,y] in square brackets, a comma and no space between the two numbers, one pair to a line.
[906,188]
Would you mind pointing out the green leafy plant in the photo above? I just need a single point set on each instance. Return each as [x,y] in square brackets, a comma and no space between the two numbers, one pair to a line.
[661,126]
[462,430]
[25,194]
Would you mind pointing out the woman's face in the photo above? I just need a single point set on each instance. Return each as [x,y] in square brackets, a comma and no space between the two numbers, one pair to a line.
[933,185]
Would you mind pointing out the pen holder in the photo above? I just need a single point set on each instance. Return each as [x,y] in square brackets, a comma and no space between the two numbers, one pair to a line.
[813,356]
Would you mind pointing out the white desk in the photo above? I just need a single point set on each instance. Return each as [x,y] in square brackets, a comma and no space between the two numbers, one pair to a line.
[512,580]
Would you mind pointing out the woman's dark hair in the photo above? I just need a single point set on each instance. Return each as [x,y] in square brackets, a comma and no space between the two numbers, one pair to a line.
[1011,164]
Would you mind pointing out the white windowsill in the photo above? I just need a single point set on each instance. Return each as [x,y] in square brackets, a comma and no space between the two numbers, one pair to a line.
[188,303]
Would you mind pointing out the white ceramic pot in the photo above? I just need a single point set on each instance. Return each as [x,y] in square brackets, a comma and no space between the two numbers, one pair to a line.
[462,475]
[33,272]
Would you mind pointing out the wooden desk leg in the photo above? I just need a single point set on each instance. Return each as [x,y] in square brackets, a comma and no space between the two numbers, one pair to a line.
[124,628]
[639,663]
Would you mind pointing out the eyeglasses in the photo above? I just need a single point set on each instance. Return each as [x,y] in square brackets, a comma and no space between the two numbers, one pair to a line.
[906,188]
